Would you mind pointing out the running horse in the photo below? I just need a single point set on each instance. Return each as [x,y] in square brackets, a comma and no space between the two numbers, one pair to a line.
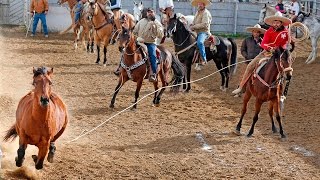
[85,21]
[41,118]
[133,63]
[185,46]
[266,84]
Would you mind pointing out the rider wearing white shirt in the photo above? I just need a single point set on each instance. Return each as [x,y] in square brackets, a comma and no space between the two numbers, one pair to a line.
[294,10]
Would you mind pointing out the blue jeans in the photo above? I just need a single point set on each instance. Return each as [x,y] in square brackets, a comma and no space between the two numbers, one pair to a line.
[202,36]
[42,17]
[78,10]
[152,56]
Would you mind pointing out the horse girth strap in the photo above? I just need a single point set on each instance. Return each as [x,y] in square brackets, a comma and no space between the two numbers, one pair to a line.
[132,67]
[103,25]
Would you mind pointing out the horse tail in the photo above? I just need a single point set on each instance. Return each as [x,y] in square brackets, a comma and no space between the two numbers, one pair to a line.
[179,72]
[233,60]
[65,31]
[11,133]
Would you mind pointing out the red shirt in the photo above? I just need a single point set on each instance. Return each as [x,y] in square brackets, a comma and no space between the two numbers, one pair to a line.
[274,39]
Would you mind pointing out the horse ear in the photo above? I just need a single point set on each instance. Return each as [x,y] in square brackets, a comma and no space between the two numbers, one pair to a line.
[135,3]
[265,5]
[34,70]
[50,72]
[175,16]
[141,3]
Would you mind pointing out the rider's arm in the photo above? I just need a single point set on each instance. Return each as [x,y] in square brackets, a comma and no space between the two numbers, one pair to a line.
[136,29]
[32,6]
[46,5]
[266,40]
[159,29]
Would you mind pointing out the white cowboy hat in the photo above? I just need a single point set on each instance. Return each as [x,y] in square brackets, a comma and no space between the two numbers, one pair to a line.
[256,27]
[277,17]
[195,2]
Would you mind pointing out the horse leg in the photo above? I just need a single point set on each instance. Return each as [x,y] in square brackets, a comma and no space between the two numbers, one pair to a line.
[43,150]
[270,108]
[277,111]
[188,77]
[222,74]
[116,91]
[313,54]
[136,94]
[105,55]
[256,116]
[98,54]
[52,150]
[156,101]
[21,152]
[92,46]
[246,99]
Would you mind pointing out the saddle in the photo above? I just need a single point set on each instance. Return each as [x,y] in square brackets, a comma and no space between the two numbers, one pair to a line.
[144,52]
[211,42]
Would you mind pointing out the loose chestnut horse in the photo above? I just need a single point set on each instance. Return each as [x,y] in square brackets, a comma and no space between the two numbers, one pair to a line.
[267,85]
[133,63]
[41,118]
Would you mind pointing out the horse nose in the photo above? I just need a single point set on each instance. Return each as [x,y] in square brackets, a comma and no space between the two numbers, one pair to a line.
[44,101]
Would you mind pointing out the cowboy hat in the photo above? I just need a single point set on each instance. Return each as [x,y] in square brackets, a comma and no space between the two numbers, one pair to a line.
[256,27]
[205,2]
[277,17]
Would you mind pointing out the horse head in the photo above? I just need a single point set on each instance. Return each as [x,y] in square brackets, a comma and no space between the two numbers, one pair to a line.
[42,83]
[176,24]
[124,37]
[283,60]
[137,10]
[265,12]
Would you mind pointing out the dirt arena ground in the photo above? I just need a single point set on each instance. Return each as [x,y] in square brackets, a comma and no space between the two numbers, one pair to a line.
[163,142]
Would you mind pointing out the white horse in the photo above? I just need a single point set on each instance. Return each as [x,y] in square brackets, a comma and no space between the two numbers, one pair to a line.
[311,22]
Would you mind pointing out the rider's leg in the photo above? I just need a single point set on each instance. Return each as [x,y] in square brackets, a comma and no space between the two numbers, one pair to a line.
[153,59]
[249,69]
[202,36]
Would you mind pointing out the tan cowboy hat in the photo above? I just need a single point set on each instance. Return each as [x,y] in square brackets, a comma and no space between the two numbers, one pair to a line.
[277,17]
[256,27]
[195,2]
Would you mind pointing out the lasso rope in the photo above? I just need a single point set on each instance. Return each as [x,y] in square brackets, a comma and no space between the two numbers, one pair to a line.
[303,28]
[86,132]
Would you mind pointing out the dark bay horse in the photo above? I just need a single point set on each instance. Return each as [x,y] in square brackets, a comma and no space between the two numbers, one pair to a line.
[41,118]
[267,86]
[133,63]
[226,51]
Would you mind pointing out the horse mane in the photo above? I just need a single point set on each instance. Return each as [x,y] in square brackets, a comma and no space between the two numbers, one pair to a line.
[40,71]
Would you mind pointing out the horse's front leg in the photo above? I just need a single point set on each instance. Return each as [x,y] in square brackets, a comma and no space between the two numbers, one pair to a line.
[21,152]
[313,54]
[270,108]
[52,150]
[43,150]
[104,55]
[277,111]
[121,81]
[256,117]
[137,93]
[246,99]
[188,77]
[98,54]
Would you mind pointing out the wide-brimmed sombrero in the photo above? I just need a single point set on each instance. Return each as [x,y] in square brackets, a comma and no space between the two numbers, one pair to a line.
[195,2]
[277,17]
[256,27]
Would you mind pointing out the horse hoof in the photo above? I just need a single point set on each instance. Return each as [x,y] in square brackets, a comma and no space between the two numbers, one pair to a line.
[249,135]
[156,104]
[39,166]
[237,132]
[50,157]
[35,158]
[111,106]
[19,162]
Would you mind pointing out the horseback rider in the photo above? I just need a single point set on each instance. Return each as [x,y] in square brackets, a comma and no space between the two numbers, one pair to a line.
[280,7]
[276,36]
[201,25]
[78,10]
[166,7]
[147,30]
[294,10]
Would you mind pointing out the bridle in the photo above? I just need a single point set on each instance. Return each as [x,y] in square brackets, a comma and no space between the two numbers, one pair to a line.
[174,29]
